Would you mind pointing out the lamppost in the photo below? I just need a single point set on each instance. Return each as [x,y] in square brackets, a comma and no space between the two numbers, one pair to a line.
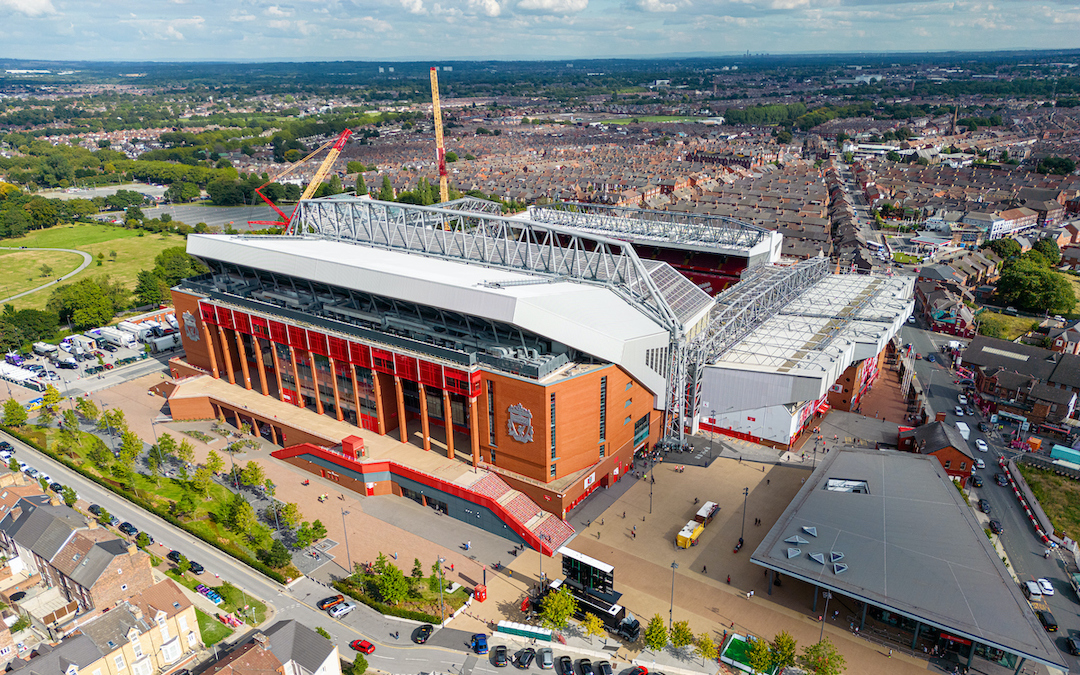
[652,481]
[108,425]
[828,596]
[745,494]
[442,608]
[671,610]
[348,553]
[712,447]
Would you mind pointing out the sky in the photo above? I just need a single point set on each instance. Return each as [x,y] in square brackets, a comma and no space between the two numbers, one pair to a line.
[315,30]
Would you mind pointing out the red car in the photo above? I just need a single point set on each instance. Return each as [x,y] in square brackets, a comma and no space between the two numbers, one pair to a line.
[362,646]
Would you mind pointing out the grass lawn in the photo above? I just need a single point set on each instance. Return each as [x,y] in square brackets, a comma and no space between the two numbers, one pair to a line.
[422,599]
[1059,497]
[234,600]
[653,118]
[134,253]
[1012,327]
[905,258]
[1074,281]
[22,269]
[211,630]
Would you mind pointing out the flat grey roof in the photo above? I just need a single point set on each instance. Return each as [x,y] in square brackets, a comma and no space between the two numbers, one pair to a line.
[911,545]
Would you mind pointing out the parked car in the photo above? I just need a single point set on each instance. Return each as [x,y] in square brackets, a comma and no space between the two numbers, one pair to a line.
[1032,589]
[96,510]
[1072,645]
[362,646]
[1000,479]
[1045,586]
[981,445]
[341,610]
[566,665]
[585,667]
[333,600]
[174,556]
[1047,620]
[525,658]
[423,633]
[499,659]
[195,567]
[984,506]
[932,358]
[479,644]
[959,411]
[984,427]
[545,658]
[976,481]
[603,668]
[995,527]
[961,399]
[979,464]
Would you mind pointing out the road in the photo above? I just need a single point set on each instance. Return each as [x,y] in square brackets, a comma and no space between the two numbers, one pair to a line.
[1021,543]
[445,651]
[87,259]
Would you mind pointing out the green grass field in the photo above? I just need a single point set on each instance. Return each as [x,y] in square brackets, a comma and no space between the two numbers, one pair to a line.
[905,258]
[233,599]
[134,253]
[211,630]
[653,118]
[1059,497]
[22,269]
[1011,327]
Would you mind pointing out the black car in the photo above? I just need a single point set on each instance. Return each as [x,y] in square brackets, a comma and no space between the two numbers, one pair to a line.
[977,481]
[996,527]
[109,348]
[96,510]
[984,506]
[171,555]
[128,529]
[984,427]
[195,567]
[1001,480]
[56,487]
[5,446]
[603,668]
[67,365]
[525,658]
[499,658]
[566,665]
[423,633]
[1072,645]
[1047,620]
[585,666]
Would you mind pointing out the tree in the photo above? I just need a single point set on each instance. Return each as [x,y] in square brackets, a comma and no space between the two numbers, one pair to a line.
[277,556]
[201,480]
[392,585]
[69,424]
[705,648]
[783,650]
[151,289]
[186,451]
[557,608]
[450,156]
[757,656]
[1004,248]
[435,580]
[122,472]
[680,634]
[318,530]
[167,445]
[13,464]
[239,516]
[290,515]
[253,474]
[153,462]
[183,564]
[1062,166]
[656,636]
[386,192]
[303,535]
[130,446]
[361,187]
[593,625]
[113,420]
[87,409]
[417,570]
[51,397]
[46,271]
[823,659]
[143,540]
[14,413]
[783,137]
[69,496]
[214,462]
[1034,288]
[104,517]
[1049,250]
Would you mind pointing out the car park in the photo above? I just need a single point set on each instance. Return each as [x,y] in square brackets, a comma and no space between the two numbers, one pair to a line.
[1047,620]
[995,527]
[362,646]
[981,445]
[984,506]
[1045,586]
[423,633]
[545,658]
[959,411]
[479,644]
[566,665]
[341,610]
[333,600]
[499,659]
[525,658]
[977,481]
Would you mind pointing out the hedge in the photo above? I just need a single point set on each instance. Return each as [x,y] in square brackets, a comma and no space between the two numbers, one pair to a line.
[147,506]
[348,590]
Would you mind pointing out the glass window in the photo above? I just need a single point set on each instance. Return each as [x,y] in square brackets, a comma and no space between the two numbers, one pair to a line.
[603,408]
[553,428]
[552,470]
[119,661]
[491,416]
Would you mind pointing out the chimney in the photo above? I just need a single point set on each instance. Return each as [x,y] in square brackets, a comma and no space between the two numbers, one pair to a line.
[91,523]
[132,547]
[261,638]
[54,500]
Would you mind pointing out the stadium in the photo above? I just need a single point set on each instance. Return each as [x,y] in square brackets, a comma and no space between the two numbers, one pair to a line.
[465,359]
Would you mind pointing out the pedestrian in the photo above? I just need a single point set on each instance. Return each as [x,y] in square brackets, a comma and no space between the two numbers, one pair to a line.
[768,480]
[598,534]
[395,555]
[748,595]
[468,545]
[751,594]
[601,521]
[729,583]
[633,535]
[704,569]
[835,614]
[451,567]
[624,515]
[890,653]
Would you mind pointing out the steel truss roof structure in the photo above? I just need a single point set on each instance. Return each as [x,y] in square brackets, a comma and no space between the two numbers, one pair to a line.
[470,234]
[709,231]
[762,293]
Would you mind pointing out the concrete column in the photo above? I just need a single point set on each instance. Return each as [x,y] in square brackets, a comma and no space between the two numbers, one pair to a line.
[918,629]
[862,623]
[296,377]
[243,359]
[262,367]
[273,435]
[772,580]
[277,366]
[971,657]
[226,355]
[210,349]
[337,394]
[315,383]
[1019,665]
[448,420]
[474,432]
[403,432]
[356,395]
[425,427]
[380,414]
[816,589]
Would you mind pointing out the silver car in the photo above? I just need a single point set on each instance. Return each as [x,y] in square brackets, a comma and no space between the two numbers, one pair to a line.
[545,658]
[338,611]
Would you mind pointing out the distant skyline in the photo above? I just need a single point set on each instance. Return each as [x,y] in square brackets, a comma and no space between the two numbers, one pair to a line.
[411,30]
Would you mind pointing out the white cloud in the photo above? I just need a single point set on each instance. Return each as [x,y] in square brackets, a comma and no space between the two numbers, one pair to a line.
[29,7]
[414,6]
[659,5]
[486,7]
[554,6]
[173,34]
[274,10]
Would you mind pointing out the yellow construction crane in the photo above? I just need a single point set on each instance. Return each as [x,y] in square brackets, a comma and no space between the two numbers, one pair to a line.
[440,148]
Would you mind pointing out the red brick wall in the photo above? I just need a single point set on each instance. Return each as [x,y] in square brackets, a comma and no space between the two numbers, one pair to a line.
[131,570]
[195,351]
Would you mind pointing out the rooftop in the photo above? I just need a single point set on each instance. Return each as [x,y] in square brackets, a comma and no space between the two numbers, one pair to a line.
[889,528]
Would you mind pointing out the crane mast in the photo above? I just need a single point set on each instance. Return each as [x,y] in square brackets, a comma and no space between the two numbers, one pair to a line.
[440,148]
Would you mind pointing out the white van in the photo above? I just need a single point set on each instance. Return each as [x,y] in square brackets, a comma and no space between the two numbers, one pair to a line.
[964,430]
